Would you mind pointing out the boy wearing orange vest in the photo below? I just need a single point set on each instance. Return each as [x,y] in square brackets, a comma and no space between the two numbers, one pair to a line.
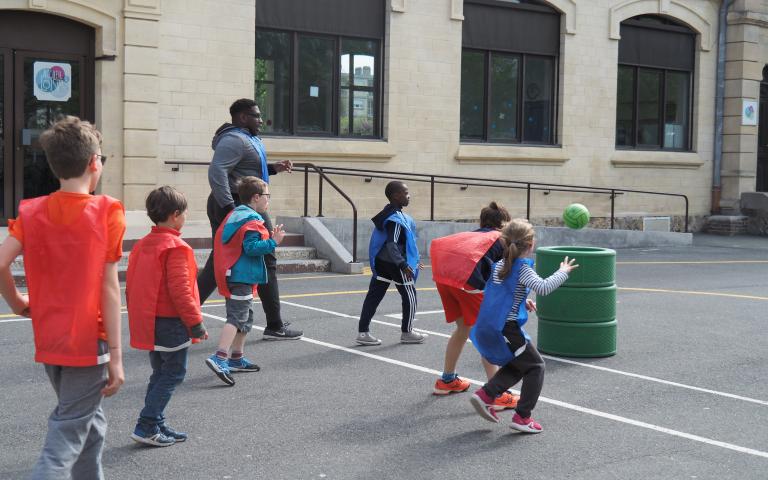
[163,310]
[239,248]
[71,242]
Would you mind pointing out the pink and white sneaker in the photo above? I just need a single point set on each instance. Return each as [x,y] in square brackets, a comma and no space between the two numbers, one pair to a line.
[484,405]
[527,425]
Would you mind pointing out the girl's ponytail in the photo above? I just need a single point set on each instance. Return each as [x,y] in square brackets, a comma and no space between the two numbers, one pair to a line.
[517,237]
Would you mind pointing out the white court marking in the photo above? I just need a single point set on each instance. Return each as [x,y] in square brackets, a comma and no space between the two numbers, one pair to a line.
[569,406]
[562,360]
[399,316]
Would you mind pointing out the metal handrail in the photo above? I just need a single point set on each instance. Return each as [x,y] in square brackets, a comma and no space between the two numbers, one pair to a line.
[433,180]
[492,182]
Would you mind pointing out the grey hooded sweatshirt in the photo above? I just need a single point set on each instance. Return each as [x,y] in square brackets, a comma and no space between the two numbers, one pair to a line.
[233,157]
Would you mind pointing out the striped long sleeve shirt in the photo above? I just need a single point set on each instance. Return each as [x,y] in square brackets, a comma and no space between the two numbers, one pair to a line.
[529,279]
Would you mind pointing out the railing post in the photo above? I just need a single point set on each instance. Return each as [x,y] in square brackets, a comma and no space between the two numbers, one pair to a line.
[613,205]
[320,193]
[686,214]
[432,198]
[306,190]
[354,236]
[528,202]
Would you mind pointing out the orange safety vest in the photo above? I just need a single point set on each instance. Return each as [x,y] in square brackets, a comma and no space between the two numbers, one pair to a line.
[227,254]
[455,257]
[145,272]
[64,266]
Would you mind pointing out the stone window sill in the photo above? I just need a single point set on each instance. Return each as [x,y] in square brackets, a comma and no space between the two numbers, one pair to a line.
[308,149]
[489,153]
[656,159]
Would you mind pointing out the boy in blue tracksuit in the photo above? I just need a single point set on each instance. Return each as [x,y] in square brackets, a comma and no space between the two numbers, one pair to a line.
[239,248]
[394,258]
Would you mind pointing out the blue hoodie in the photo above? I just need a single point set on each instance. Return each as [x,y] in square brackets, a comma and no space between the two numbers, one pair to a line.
[249,268]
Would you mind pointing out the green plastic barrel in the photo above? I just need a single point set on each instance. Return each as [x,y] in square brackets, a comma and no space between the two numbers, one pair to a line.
[577,339]
[579,305]
[597,266]
[579,318]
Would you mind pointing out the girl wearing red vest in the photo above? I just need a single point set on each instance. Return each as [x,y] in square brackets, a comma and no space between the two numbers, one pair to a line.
[163,310]
[461,264]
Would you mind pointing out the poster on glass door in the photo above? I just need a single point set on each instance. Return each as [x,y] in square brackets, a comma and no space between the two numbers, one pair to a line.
[52,81]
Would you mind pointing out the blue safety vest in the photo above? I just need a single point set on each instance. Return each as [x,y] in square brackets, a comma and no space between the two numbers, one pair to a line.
[379,238]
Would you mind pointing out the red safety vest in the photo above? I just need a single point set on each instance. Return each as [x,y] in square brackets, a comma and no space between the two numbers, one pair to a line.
[455,257]
[64,266]
[142,286]
[227,254]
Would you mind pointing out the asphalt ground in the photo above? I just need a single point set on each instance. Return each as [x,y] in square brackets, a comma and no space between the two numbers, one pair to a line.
[685,396]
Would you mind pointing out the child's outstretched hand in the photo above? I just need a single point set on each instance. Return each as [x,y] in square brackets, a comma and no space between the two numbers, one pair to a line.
[530,305]
[567,265]
[278,234]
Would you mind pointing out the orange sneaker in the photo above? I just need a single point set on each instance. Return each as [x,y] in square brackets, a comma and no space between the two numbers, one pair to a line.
[456,386]
[505,401]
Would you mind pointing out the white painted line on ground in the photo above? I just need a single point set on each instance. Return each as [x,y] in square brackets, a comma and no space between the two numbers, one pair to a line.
[562,360]
[569,406]
[399,316]
[13,320]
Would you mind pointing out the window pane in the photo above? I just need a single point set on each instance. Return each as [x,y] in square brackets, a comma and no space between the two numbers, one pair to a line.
[358,71]
[505,70]
[2,137]
[472,95]
[537,99]
[676,110]
[625,107]
[273,80]
[315,84]
[649,102]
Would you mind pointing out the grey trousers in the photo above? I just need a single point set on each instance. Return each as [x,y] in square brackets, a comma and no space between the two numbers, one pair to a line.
[76,427]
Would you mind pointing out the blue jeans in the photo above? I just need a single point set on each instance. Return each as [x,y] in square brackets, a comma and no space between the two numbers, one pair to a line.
[168,370]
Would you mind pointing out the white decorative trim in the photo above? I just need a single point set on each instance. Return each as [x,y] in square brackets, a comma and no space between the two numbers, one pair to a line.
[320,150]
[705,26]
[457,10]
[106,25]
[490,153]
[656,159]
[398,6]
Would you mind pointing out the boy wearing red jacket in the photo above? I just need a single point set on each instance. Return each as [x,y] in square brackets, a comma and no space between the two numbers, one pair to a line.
[71,241]
[163,310]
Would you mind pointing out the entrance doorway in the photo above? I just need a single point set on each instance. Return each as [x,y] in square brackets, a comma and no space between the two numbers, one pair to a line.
[762,137]
[46,71]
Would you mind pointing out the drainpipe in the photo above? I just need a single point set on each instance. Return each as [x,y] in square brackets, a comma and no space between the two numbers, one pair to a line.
[719,106]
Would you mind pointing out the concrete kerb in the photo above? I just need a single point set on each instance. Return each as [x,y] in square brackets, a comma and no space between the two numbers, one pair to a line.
[340,229]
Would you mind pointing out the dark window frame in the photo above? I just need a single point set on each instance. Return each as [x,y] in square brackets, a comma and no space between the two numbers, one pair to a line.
[336,79]
[636,67]
[520,94]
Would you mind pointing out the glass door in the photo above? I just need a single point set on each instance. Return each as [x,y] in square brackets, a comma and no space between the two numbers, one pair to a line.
[762,137]
[47,87]
[6,149]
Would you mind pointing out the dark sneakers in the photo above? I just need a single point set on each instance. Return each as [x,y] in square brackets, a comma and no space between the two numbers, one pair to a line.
[282,334]
[171,433]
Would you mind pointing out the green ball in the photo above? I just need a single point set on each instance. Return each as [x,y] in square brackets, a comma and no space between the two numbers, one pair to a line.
[576,216]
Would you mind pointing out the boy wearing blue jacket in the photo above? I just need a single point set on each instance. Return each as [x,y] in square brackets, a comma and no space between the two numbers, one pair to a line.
[239,248]
[394,257]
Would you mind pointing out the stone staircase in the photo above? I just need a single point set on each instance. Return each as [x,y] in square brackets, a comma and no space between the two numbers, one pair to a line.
[292,256]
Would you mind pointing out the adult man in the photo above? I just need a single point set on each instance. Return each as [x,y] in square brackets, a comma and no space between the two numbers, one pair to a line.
[239,152]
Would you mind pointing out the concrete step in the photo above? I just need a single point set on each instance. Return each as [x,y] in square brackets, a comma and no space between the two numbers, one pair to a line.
[289,260]
[201,241]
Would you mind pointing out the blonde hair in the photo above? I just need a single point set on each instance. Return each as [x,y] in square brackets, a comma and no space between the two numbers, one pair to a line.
[517,237]
[69,145]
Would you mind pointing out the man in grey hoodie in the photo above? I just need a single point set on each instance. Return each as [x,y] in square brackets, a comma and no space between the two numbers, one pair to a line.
[239,152]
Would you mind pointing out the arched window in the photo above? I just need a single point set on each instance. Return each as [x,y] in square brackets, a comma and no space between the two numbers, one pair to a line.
[318,66]
[655,84]
[509,71]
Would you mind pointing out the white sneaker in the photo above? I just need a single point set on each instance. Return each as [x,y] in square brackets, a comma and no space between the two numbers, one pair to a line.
[412,337]
[365,338]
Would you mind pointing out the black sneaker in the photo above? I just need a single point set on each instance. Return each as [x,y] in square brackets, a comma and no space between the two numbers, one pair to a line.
[282,334]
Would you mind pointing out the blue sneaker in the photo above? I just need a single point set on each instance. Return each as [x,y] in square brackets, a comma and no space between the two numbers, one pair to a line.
[171,433]
[242,365]
[221,368]
[153,437]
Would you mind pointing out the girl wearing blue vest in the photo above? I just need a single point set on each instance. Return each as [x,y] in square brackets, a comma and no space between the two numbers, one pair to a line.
[499,334]
[394,258]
